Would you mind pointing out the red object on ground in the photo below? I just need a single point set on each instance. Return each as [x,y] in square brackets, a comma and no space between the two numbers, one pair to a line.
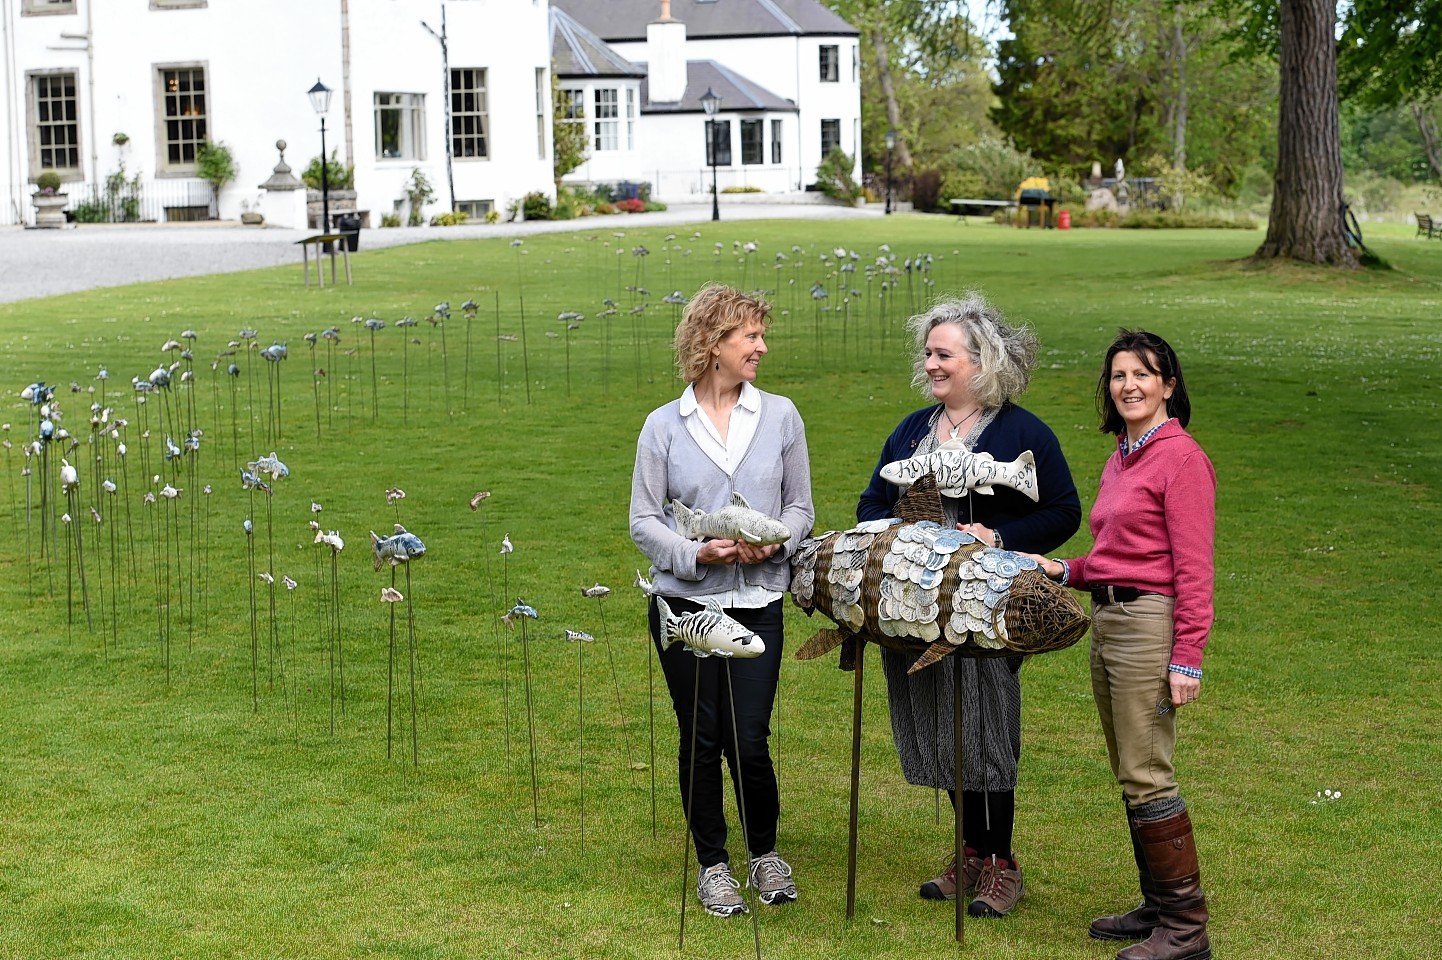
[1063,220]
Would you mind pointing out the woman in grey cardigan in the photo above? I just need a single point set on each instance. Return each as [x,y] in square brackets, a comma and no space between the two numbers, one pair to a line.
[723,436]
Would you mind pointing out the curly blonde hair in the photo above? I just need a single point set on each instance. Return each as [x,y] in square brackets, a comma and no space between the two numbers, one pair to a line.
[1004,355]
[710,315]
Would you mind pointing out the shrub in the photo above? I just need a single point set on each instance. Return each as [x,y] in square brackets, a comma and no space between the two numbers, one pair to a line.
[606,209]
[833,176]
[746,189]
[390,220]
[634,205]
[91,211]
[493,216]
[337,175]
[454,218]
[995,168]
[47,182]
[1178,220]
[654,206]
[536,206]
[419,192]
[926,190]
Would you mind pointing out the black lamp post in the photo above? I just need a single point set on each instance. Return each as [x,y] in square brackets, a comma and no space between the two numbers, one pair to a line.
[320,100]
[710,102]
[890,146]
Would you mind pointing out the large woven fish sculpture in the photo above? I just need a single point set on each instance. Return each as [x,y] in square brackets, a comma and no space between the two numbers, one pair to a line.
[915,585]
[735,521]
[959,471]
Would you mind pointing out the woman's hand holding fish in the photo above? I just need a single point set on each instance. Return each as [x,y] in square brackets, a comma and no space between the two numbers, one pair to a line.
[751,553]
[718,552]
[982,532]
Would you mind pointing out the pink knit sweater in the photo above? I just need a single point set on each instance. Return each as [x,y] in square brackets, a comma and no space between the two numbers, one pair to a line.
[1153,526]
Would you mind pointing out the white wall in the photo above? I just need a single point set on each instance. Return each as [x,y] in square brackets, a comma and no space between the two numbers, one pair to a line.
[261,57]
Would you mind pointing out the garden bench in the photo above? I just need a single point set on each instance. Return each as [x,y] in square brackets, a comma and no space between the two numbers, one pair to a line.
[961,206]
[1427,227]
[324,243]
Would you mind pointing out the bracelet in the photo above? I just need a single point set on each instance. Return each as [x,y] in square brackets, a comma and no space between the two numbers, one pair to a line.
[1194,672]
[996,539]
[1065,570]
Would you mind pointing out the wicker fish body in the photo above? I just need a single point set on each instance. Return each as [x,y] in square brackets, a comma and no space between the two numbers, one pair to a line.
[915,585]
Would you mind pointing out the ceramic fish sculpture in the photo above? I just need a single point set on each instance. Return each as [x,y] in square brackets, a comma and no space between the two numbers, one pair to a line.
[959,471]
[579,636]
[270,465]
[915,585]
[249,481]
[709,632]
[596,592]
[401,547]
[642,584]
[391,595]
[69,476]
[735,521]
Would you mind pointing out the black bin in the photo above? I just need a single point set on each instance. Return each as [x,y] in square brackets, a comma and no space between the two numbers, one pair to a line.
[349,224]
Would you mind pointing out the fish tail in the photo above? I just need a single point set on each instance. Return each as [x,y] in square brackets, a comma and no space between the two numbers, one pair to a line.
[685,517]
[668,622]
[376,550]
[1026,475]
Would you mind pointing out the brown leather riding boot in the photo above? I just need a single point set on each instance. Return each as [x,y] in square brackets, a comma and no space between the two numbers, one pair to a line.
[1138,923]
[1171,855]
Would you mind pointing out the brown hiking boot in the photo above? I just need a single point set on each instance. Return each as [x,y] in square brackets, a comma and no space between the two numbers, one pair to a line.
[998,889]
[944,886]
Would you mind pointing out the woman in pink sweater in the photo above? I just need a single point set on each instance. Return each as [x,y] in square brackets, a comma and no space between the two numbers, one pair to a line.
[1150,577]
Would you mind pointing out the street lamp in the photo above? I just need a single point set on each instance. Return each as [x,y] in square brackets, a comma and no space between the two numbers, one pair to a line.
[890,146]
[710,102]
[320,100]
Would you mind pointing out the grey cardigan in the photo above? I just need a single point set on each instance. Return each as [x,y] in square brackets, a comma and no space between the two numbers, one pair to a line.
[774,475]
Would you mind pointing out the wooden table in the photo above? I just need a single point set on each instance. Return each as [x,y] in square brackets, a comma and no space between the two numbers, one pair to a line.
[337,242]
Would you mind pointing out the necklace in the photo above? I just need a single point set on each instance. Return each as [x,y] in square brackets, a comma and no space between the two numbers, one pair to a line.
[956,424]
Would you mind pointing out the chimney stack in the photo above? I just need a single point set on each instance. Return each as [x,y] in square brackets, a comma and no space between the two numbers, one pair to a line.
[666,57]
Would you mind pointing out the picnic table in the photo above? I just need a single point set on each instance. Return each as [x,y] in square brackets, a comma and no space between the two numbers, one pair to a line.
[324,243]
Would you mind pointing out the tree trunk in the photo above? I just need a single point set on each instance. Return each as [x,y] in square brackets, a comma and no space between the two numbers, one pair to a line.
[1179,113]
[1428,128]
[1306,219]
[888,94]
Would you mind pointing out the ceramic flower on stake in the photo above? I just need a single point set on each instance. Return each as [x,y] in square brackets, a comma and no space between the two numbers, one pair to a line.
[599,593]
[580,638]
[524,612]
[400,549]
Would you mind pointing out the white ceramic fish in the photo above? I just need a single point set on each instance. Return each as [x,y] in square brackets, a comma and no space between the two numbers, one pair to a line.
[959,471]
[735,521]
[709,632]
[69,477]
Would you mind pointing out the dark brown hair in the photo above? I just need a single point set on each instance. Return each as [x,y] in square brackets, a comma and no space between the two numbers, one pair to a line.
[1157,356]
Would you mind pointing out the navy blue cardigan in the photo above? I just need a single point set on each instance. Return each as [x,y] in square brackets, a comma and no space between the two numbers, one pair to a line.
[1033,527]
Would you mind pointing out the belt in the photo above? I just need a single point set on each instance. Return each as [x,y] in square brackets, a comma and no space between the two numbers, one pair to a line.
[1111,594]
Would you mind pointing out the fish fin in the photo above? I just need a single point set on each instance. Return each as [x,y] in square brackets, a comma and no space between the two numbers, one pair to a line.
[739,501]
[684,517]
[956,444]
[375,550]
[984,489]
[401,529]
[935,653]
[750,536]
[714,606]
[921,502]
[821,644]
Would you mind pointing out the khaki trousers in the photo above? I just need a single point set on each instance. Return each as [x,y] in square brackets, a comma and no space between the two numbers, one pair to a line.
[1131,649]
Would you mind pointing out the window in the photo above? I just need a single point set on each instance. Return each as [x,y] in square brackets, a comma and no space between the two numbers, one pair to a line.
[855,64]
[475,209]
[470,126]
[630,118]
[718,142]
[400,126]
[752,148]
[830,64]
[41,7]
[55,124]
[573,103]
[830,136]
[775,141]
[183,117]
[607,111]
[541,113]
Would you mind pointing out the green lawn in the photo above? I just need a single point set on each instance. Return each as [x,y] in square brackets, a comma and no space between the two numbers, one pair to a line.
[206,810]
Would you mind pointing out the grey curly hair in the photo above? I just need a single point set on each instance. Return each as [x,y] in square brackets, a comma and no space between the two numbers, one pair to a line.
[1004,355]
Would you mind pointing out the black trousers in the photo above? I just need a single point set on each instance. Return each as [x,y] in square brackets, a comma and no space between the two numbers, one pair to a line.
[699,685]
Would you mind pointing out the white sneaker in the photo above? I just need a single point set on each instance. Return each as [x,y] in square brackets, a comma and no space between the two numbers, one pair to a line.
[770,876]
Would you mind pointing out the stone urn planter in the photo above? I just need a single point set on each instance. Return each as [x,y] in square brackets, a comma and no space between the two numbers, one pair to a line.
[49,210]
[252,218]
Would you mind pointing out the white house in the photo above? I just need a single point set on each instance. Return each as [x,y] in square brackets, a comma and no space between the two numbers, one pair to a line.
[600,90]
[95,88]
[787,72]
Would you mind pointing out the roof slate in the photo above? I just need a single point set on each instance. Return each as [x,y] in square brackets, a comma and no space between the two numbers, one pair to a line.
[577,52]
[625,20]
[737,93]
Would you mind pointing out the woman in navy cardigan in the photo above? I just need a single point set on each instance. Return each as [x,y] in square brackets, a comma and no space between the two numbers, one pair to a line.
[972,363]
